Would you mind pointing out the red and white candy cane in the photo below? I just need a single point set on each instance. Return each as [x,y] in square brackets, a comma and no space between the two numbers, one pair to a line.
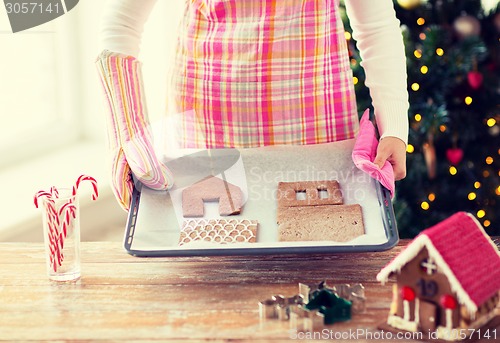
[54,191]
[82,178]
[58,222]
[51,206]
[67,212]
[53,233]
[42,194]
[52,223]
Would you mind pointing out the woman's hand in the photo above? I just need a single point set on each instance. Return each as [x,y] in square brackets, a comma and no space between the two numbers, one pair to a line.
[392,149]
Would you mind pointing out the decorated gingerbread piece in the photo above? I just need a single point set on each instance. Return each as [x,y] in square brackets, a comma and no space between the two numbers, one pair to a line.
[447,281]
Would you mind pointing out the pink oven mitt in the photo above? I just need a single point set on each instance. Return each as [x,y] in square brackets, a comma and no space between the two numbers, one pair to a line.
[129,134]
[364,152]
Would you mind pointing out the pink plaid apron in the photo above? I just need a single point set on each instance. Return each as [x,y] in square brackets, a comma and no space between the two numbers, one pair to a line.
[262,72]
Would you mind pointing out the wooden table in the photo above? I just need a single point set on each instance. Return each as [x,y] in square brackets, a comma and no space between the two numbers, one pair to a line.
[121,297]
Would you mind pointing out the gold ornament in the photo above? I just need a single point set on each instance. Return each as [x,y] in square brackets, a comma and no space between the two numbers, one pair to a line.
[494,130]
[409,4]
[467,26]
[430,158]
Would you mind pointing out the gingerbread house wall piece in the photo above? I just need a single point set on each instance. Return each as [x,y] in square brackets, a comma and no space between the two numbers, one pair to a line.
[229,196]
[449,273]
[313,191]
[319,215]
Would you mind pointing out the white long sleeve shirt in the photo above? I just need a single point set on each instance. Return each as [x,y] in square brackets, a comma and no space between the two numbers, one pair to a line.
[375,28]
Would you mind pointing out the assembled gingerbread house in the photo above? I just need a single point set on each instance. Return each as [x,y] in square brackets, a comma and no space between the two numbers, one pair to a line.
[447,279]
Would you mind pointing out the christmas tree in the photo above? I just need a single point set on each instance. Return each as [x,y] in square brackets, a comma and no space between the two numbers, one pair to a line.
[453,155]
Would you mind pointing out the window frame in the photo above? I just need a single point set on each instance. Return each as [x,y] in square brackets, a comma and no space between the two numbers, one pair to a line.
[67,128]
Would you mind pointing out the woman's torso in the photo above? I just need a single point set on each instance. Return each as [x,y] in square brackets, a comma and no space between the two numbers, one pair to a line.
[251,73]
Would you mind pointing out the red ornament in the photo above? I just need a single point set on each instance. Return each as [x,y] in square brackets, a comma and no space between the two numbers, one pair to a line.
[407,293]
[454,155]
[475,79]
[448,302]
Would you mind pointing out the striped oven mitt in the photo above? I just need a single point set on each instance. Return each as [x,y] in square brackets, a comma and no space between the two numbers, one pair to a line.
[129,135]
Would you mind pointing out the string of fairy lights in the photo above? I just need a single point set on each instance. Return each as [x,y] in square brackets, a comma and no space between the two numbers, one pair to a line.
[492,122]
[453,169]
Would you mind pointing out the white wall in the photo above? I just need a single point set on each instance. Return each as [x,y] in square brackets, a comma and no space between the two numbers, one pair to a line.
[87,154]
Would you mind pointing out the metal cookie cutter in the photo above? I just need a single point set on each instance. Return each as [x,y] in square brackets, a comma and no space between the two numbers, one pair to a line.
[302,319]
[315,305]
[279,307]
[354,293]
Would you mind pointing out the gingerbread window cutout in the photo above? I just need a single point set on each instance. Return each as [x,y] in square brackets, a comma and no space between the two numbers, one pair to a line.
[301,195]
[428,266]
[323,193]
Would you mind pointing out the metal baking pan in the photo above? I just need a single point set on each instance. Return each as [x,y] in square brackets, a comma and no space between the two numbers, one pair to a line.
[155,217]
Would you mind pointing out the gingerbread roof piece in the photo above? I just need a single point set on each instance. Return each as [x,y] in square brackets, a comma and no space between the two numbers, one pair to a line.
[229,196]
[463,252]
